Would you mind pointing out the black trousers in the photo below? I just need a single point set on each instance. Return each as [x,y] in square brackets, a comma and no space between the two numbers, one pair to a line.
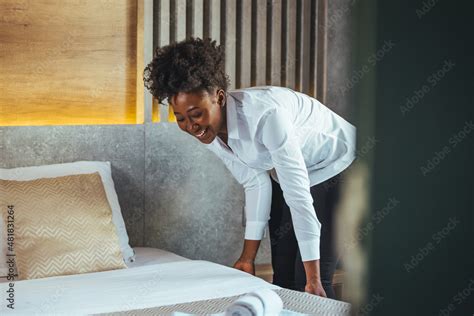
[288,268]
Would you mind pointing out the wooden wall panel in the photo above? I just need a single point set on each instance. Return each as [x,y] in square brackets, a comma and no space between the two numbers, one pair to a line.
[197,13]
[179,19]
[77,62]
[229,37]
[274,36]
[259,42]
[278,42]
[244,43]
[68,62]
[304,47]
[289,44]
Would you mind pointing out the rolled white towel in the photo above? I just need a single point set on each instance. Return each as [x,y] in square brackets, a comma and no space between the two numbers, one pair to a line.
[247,305]
[264,302]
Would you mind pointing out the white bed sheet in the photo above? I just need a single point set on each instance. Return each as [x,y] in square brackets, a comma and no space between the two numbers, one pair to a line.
[146,256]
[156,278]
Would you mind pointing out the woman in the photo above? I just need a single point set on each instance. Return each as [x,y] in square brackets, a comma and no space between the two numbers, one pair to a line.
[272,139]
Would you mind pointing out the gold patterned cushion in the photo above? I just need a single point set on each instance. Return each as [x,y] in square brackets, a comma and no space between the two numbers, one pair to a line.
[62,226]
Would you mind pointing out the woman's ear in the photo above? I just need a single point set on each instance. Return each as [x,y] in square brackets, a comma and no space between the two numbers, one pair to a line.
[221,97]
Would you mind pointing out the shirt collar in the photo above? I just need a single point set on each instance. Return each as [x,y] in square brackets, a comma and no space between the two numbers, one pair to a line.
[231,114]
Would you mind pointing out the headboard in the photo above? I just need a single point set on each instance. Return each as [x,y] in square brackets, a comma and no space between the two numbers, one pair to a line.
[162,180]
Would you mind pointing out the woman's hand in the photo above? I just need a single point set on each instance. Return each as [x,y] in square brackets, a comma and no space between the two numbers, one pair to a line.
[313,279]
[246,265]
[314,286]
[246,261]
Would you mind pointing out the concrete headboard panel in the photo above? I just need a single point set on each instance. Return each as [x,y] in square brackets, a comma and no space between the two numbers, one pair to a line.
[174,193]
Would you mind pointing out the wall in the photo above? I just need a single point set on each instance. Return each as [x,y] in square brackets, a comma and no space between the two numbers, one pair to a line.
[214,193]
[174,193]
[71,62]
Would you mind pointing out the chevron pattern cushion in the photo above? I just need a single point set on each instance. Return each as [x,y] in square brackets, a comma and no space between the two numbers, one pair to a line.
[62,226]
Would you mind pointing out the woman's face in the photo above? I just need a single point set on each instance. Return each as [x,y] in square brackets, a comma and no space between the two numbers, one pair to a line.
[201,114]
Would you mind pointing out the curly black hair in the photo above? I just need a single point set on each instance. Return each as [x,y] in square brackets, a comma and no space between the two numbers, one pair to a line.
[192,65]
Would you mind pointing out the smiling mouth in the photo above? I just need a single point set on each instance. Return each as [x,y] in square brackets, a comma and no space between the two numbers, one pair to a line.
[201,135]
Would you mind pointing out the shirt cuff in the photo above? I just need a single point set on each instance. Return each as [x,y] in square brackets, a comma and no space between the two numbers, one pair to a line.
[309,249]
[254,230]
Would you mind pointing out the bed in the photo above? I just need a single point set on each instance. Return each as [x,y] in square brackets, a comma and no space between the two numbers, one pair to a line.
[73,255]
[157,282]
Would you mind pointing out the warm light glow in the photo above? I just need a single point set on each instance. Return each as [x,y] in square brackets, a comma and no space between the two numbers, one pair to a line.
[155,111]
[90,121]
[171,116]
[65,69]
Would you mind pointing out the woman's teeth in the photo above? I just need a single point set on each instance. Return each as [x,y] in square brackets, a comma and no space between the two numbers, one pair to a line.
[201,134]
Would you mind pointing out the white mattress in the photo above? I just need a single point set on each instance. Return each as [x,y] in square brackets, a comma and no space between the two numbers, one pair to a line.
[156,278]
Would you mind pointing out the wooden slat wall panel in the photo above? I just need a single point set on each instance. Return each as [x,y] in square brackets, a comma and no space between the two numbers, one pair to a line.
[259,24]
[229,37]
[244,43]
[313,65]
[304,49]
[162,22]
[274,36]
[180,19]
[278,42]
[162,36]
[212,19]
[147,57]
[144,55]
[140,98]
[197,14]
[289,77]
[321,60]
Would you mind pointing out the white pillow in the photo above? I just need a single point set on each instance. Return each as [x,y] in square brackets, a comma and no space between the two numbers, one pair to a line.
[65,169]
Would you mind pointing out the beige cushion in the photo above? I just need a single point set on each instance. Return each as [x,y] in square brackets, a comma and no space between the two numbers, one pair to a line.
[62,226]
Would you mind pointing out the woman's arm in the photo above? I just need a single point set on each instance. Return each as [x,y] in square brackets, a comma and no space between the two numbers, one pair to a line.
[249,253]
[246,262]
[313,278]
[258,199]
[278,136]
[258,196]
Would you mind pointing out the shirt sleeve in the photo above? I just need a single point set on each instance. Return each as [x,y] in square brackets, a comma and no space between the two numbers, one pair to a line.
[258,196]
[278,136]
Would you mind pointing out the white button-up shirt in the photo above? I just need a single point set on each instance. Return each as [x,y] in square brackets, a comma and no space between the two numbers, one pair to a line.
[278,132]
